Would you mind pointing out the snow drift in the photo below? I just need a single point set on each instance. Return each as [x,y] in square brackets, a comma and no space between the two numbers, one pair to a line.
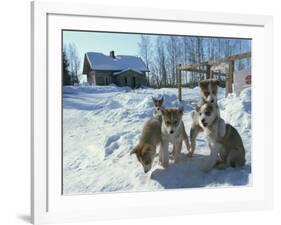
[101,124]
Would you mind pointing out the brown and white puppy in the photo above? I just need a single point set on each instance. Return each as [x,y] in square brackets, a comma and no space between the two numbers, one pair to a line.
[225,143]
[208,93]
[172,131]
[209,89]
[145,150]
[157,106]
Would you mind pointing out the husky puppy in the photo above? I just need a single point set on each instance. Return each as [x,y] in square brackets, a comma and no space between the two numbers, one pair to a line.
[224,141]
[157,106]
[145,150]
[208,90]
[172,131]
[208,93]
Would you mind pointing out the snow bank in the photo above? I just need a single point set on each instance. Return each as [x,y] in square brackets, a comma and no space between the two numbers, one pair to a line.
[102,124]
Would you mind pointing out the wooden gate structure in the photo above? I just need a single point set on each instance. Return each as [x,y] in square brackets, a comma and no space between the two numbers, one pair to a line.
[197,67]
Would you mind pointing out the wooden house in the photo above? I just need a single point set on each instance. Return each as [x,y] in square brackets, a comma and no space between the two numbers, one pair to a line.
[122,70]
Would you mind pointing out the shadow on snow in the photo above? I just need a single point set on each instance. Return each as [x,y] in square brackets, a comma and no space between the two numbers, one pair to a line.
[187,174]
[85,104]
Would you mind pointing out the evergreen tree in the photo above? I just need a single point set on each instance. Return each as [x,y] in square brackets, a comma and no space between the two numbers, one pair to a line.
[65,65]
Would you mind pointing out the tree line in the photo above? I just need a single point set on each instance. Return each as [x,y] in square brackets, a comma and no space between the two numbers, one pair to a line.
[162,54]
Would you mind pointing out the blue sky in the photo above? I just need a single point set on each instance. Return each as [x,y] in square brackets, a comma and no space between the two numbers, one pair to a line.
[122,44]
[89,41]
[103,42]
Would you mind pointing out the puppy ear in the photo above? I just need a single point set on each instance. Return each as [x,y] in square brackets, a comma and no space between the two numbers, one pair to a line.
[197,108]
[202,83]
[217,82]
[161,99]
[135,149]
[153,99]
[181,110]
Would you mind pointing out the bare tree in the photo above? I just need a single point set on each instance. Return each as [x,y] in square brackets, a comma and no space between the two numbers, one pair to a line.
[155,78]
[192,58]
[160,61]
[211,48]
[173,46]
[74,61]
[227,48]
[164,53]
[184,58]
[145,52]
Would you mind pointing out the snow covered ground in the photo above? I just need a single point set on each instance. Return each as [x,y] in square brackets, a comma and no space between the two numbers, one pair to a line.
[101,124]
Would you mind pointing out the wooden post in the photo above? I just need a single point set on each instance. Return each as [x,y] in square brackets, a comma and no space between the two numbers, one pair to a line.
[179,82]
[229,78]
[208,71]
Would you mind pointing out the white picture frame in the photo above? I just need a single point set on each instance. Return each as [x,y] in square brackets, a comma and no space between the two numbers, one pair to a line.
[48,205]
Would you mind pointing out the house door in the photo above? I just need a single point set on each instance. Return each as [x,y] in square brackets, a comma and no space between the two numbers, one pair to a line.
[125,81]
[134,82]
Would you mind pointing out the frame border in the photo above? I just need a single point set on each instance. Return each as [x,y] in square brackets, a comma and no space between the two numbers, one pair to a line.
[39,85]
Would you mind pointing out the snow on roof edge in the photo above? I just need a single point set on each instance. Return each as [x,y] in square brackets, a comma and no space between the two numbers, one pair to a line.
[121,62]
[125,70]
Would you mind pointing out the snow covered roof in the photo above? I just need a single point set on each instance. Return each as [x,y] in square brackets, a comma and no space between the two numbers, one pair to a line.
[99,61]
[125,70]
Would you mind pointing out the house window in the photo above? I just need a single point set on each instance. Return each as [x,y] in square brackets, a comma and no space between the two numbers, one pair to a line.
[125,81]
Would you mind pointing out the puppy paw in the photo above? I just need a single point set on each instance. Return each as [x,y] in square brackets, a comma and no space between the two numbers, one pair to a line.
[190,154]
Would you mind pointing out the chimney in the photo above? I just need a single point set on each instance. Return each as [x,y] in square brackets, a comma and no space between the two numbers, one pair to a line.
[112,54]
